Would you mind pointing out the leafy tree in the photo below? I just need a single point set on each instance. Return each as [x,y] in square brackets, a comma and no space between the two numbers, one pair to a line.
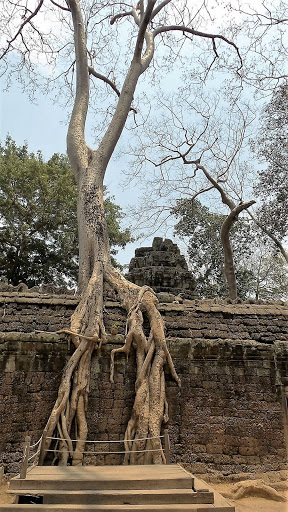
[272,149]
[38,218]
[270,282]
[258,268]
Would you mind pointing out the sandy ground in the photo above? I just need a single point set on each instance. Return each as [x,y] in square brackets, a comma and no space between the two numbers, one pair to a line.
[253,503]
[249,504]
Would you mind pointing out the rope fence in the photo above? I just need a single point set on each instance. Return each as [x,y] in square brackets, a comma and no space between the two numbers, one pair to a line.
[29,458]
[38,456]
[106,453]
[117,441]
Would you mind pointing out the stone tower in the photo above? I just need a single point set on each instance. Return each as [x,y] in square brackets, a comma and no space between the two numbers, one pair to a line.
[163,268]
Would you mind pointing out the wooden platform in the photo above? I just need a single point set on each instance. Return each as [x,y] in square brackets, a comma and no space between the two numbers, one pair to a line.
[115,488]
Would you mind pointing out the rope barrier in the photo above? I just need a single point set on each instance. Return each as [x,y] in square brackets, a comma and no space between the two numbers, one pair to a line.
[119,441]
[33,456]
[36,444]
[106,453]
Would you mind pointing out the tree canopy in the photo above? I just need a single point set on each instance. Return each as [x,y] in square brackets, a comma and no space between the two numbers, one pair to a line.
[272,149]
[260,272]
[38,218]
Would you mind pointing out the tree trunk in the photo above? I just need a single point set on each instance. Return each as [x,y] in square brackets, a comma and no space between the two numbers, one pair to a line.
[92,229]
[87,328]
[229,267]
[68,417]
[68,414]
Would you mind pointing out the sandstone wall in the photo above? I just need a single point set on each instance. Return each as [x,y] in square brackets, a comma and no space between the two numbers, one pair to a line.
[229,415]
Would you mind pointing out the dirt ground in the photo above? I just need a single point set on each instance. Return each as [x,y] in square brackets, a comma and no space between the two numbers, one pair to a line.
[248,504]
[252,503]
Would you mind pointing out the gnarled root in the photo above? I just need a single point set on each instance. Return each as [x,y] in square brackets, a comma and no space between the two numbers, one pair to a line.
[68,417]
[142,438]
[69,412]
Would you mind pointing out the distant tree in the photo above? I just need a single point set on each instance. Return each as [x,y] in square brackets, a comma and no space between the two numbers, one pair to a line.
[258,268]
[38,218]
[272,149]
[270,281]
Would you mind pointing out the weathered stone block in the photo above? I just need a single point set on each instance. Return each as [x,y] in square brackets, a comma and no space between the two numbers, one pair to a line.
[214,448]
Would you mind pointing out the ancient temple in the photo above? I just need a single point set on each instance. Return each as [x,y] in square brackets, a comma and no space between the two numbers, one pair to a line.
[162,267]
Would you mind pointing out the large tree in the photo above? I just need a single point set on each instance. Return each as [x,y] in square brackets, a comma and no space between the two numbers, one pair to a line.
[261,273]
[148,22]
[199,154]
[38,218]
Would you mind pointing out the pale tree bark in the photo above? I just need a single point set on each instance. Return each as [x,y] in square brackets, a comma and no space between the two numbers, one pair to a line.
[229,266]
[68,415]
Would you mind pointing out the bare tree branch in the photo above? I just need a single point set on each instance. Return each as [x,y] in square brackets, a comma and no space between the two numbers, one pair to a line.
[76,144]
[159,8]
[224,197]
[143,34]
[184,29]
[120,16]
[104,79]
[19,31]
[108,82]
[270,234]
[60,6]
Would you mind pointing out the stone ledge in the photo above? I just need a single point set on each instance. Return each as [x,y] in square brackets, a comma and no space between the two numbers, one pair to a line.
[207,306]
[50,337]
[31,298]
[118,339]
[201,306]
[46,337]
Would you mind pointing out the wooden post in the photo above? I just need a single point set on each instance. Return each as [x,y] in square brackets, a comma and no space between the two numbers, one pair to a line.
[42,448]
[23,471]
[167,446]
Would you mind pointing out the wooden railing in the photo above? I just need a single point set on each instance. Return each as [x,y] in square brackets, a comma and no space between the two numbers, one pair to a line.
[27,457]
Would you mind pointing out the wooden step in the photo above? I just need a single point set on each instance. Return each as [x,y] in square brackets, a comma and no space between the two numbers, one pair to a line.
[147,488]
[139,497]
[117,508]
[104,478]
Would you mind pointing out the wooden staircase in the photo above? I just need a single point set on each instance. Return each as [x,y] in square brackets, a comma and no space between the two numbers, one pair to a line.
[115,488]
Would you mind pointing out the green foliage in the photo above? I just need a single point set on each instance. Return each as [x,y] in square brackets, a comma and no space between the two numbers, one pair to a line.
[271,275]
[272,149]
[259,272]
[38,219]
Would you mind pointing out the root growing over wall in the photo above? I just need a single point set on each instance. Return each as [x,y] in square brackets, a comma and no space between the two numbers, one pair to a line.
[150,409]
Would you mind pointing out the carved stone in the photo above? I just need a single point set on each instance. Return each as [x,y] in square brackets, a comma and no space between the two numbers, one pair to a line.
[163,268]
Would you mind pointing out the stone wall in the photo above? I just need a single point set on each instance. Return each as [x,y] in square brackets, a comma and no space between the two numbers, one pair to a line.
[229,415]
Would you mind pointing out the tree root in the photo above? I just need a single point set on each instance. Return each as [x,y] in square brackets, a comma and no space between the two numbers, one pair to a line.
[68,415]
[142,437]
